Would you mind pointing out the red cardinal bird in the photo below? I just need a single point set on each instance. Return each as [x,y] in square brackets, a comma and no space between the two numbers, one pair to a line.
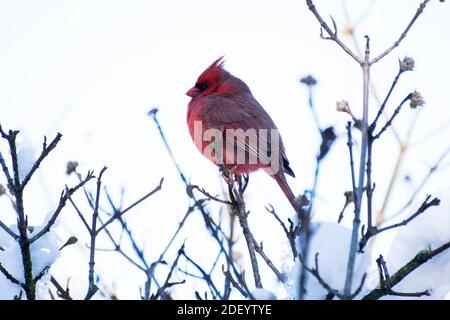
[223,107]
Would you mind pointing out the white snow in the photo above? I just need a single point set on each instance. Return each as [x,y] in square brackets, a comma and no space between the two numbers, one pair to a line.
[428,231]
[263,294]
[26,157]
[331,241]
[44,253]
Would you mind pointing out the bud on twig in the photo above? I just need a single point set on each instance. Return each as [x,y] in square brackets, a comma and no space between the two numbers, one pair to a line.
[342,106]
[407,64]
[71,167]
[308,80]
[416,100]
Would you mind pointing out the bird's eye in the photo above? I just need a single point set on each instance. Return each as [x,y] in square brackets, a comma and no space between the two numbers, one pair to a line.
[202,86]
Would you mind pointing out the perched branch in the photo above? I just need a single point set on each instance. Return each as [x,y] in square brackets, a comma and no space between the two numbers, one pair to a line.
[238,208]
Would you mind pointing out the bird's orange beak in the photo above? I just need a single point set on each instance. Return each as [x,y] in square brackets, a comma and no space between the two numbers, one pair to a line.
[193,92]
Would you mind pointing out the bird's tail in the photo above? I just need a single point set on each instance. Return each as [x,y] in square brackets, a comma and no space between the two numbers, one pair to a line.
[281,180]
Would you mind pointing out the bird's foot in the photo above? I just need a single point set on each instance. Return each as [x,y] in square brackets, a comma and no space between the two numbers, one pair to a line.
[228,175]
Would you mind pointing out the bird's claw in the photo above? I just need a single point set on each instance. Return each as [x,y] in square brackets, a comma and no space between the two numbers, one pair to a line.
[228,174]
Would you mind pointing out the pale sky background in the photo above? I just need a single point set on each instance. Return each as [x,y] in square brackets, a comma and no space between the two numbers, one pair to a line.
[93,69]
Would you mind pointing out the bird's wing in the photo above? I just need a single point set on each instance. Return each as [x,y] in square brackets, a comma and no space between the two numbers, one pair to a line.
[242,114]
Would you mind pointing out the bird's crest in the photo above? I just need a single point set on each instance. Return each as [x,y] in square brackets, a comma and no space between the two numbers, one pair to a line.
[214,72]
[218,64]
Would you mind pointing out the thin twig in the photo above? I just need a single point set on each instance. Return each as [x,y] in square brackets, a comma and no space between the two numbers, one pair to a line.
[315,272]
[168,284]
[374,230]
[206,193]
[432,170]
[9,231]
[230,278]
[348,199]
[389,122]
[205,276]
[332,33]
[92,288]
[403,35]
[383,105]
[359,192]
[238,208]
[121,213]
[60,291]
[45,152]
[9,276]
[263,255]
[291,233]
[420,258]
[65,195]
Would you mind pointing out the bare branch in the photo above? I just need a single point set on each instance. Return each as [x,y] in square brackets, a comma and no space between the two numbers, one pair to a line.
[331,291]
[348,199]
[389,122]
[263,255]
[115,216]
[374,230]
[432,170]
[92,288]
[65,195]
[168,284]
[45,152]
[238,209]
[230,278]
[403,35]
[291,234]
[5,169]
[332,33]
[191,187]
[205,276]
[386,288]
[79,213]
[383,105]
[10,276]
[9,231]
[60,291]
